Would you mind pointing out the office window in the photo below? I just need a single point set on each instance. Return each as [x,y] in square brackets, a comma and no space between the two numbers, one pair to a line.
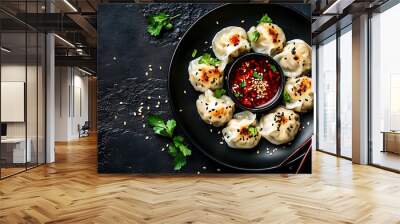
[385,89]
[326,101]
[346,92]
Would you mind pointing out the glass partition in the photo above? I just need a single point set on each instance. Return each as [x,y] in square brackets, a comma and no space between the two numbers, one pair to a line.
[385,89]
[346,92]
[326,102]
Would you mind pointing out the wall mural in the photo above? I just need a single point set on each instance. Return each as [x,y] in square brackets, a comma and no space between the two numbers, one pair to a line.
[204,88]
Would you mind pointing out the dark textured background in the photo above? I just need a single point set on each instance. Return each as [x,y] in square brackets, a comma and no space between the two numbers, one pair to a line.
[125,52]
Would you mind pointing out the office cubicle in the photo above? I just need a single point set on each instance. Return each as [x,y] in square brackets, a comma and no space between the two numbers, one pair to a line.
[22,77]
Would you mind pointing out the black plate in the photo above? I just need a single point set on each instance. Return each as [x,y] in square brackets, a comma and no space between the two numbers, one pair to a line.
[183,96]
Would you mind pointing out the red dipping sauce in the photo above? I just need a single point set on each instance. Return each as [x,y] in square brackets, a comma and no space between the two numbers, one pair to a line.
[255,82]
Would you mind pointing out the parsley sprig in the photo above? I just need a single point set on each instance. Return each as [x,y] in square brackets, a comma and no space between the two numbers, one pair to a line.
[177,149]
[265,19]
[208,60]
[258,76]
[286,97]
[253,131]
[219,93]
[157,22]
[253,36]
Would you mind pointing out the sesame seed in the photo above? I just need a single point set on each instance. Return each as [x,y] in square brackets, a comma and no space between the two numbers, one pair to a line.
[198,172]
[204,167]
[218,169]
[114,58]
[166,101]
[180,110]
[216,22]
[144,125]
[162,149]
[150,69]
[134,113]
[149,97]
[157,106]
[160,67]
[141,104]
[221,143]
[242,21]
[150,66]
[148,108]
[210,130]
[258,151]
[115,117]
[147,137]
[124,122]
[184,91]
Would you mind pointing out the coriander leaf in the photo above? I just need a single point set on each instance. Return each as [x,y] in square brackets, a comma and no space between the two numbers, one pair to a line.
[155,121]
[183,149]
[208,60]
[253,36]
[219,93]
[253,131]
[286,97]
[258,75]
[194,53]
[237,95]
[178,140]
[273,68]
[265,19]
[243,84]
[171,124]
[155,23]
[179,161]
[172,150]
[160,131]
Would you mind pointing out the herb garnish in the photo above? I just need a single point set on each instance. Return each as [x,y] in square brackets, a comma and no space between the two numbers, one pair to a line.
[253,131]
[237,95]
[273,68]
[194,53]
[243,84]
[258,75]
[253,36]
[265,19]
[208,60]
[219,93]
[286,97]
[155,23]
[177,149]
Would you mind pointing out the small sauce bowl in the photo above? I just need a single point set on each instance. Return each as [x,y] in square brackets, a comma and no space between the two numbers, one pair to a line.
[255,82]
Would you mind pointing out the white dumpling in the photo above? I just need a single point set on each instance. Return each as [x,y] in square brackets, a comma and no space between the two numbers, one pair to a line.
[229,43]
[295,59]
[215,111]
[270,41]
[205,76]
[298,94]
[280,126]
[242,131]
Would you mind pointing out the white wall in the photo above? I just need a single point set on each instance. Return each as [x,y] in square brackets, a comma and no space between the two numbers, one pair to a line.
[71,102]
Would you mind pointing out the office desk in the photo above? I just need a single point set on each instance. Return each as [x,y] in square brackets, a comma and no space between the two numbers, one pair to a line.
[391,141]
[16,147]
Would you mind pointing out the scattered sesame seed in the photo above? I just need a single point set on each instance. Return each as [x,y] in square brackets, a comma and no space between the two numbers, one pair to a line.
[210,47]
[115,117]
[216,22]
[308,123]
[184,91]
[157,106]
[159,97]
[150,66]
[242,21]
[221,143]
[162,149]
[180,110]
[147,137]
[166,101]
[204,167]
[167,145]
[149,97]
[134,113]
[146,74]
[158,102]
[258,151]
[205,42]
[114,58]
[198,172]
[218,169]
[150,69]
[144,125]
[210,130]
[124,122]
[120,103]
[141,104]
[148,108]
[160,67]
[179,38]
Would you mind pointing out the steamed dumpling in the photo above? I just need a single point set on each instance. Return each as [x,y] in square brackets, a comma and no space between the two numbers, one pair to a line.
[280,126]
[205,76]
[270,39]
[215,111]
[299,94]
[230,42]
[242,131]
[295,58]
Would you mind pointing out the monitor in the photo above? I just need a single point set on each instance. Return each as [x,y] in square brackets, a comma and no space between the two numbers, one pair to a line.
[3,129]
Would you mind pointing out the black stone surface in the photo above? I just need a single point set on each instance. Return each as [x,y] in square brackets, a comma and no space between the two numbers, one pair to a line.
[125,52]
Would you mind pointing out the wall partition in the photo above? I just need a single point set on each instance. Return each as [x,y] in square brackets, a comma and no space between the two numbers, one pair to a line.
[22,87]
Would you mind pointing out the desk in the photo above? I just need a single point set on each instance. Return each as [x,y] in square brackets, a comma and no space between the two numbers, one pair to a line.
[17,148]
[391,141]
